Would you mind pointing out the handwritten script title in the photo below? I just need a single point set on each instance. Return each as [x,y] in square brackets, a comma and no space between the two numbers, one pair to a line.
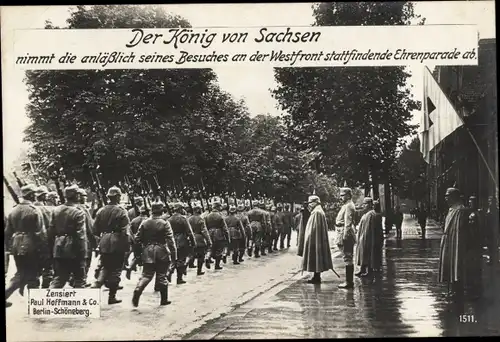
[179,36]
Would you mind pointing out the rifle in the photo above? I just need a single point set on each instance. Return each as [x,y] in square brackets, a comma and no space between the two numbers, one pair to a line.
[162,194]
[20,182]
[128,189]
[54,175]
[11,190]
[95,189]
[99,184]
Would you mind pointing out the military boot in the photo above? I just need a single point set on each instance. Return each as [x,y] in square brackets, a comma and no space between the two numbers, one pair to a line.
[240,258]
[207,263]
[257,252]
[112,296]
[316,279]
[180,273]
[249,251]
[224,258]
[164,295]
[349,273]
[217,264]
[128,273]
[235,258]
[136,297]
[191,263]
[200,267]
[361,271]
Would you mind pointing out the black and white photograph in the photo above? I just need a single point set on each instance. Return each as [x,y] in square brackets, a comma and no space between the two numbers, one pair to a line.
[277,186]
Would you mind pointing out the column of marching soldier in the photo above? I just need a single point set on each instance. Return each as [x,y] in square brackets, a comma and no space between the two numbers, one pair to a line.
[55,242]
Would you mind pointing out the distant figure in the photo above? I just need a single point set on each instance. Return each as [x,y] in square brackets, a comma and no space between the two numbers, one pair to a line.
[474,249]
[397,219]
[492,230]
[388,222]
[317,257]
[422,219]
[453,248]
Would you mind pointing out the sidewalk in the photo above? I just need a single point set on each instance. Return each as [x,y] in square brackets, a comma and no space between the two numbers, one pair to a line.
[406,300]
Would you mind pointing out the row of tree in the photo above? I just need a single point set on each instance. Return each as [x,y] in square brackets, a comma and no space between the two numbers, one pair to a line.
[343,125]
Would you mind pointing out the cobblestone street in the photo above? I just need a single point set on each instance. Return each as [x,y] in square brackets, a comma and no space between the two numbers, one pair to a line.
[405,301]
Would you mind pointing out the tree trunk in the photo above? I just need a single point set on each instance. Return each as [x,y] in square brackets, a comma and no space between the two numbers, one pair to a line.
[387,196]
[374,181]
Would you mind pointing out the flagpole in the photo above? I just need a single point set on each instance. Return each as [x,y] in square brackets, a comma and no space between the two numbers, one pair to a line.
[468,131]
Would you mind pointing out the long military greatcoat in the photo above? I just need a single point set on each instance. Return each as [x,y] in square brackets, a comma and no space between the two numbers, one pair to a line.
[370,237]
[317,255]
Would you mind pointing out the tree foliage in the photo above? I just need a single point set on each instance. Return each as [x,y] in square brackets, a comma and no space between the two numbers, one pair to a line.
[409,175]
[351,118]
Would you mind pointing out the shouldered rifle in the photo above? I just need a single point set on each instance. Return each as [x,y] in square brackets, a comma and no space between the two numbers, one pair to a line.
[95,185]
[20,182]
[11,190]
[55,175]
[162,194]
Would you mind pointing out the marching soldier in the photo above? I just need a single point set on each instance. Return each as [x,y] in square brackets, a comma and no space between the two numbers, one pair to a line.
[67,238]
[134,228]
[241,215]
[184,240]
[133,212]
[279,226]
[46,269]
[202,237]
[25,236]
[287,227]
[89,232]
[266,238]
[52,199]
[346,238]
[165,215]
[219,232]
[236,232]
[156,239]
[112,225]
[257,219]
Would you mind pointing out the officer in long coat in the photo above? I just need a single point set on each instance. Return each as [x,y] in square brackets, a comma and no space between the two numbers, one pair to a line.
[67,239]
[258,224]
[202,237]
[219,232]
[346,238]
[370,234]
[236,232]
[25,237]
[46,270]
[184,240]
[112,225]
[241,215]
[155,239]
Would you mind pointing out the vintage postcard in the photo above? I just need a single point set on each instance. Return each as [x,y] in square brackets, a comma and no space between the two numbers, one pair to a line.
[250,171]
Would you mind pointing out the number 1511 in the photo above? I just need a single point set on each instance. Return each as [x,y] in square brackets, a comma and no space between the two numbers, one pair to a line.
[467,319]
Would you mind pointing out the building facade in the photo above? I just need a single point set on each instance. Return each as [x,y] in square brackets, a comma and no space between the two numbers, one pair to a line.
[456,161]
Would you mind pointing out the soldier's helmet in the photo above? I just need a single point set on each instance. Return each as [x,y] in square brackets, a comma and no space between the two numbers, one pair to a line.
[82,192]
[114,191]
[28,189]
[255,203]
[273,208]
[143,210]
[71,191]
[196,205]
[279,205]
[41,190]
[240,207]
[52,196]
[216,201]
[177,206]
[232,209]
[156,207]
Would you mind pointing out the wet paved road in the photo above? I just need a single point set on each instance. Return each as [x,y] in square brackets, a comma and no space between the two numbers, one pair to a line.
[405,300]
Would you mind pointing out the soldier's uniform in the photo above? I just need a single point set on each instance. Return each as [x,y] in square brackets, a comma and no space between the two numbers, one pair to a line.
[46,270]
[26,238]
[133,212]
[266,239]
[202,238]
[218,233]
[257,219]
[89,232]
[278,226]
[156,238]
[67,238]
[236,232]
[134,228]
[112,225]
[184,240]
[241,215]
[346,238]
[287,228]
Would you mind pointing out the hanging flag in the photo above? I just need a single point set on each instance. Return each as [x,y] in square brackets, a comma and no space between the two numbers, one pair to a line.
[439,117]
